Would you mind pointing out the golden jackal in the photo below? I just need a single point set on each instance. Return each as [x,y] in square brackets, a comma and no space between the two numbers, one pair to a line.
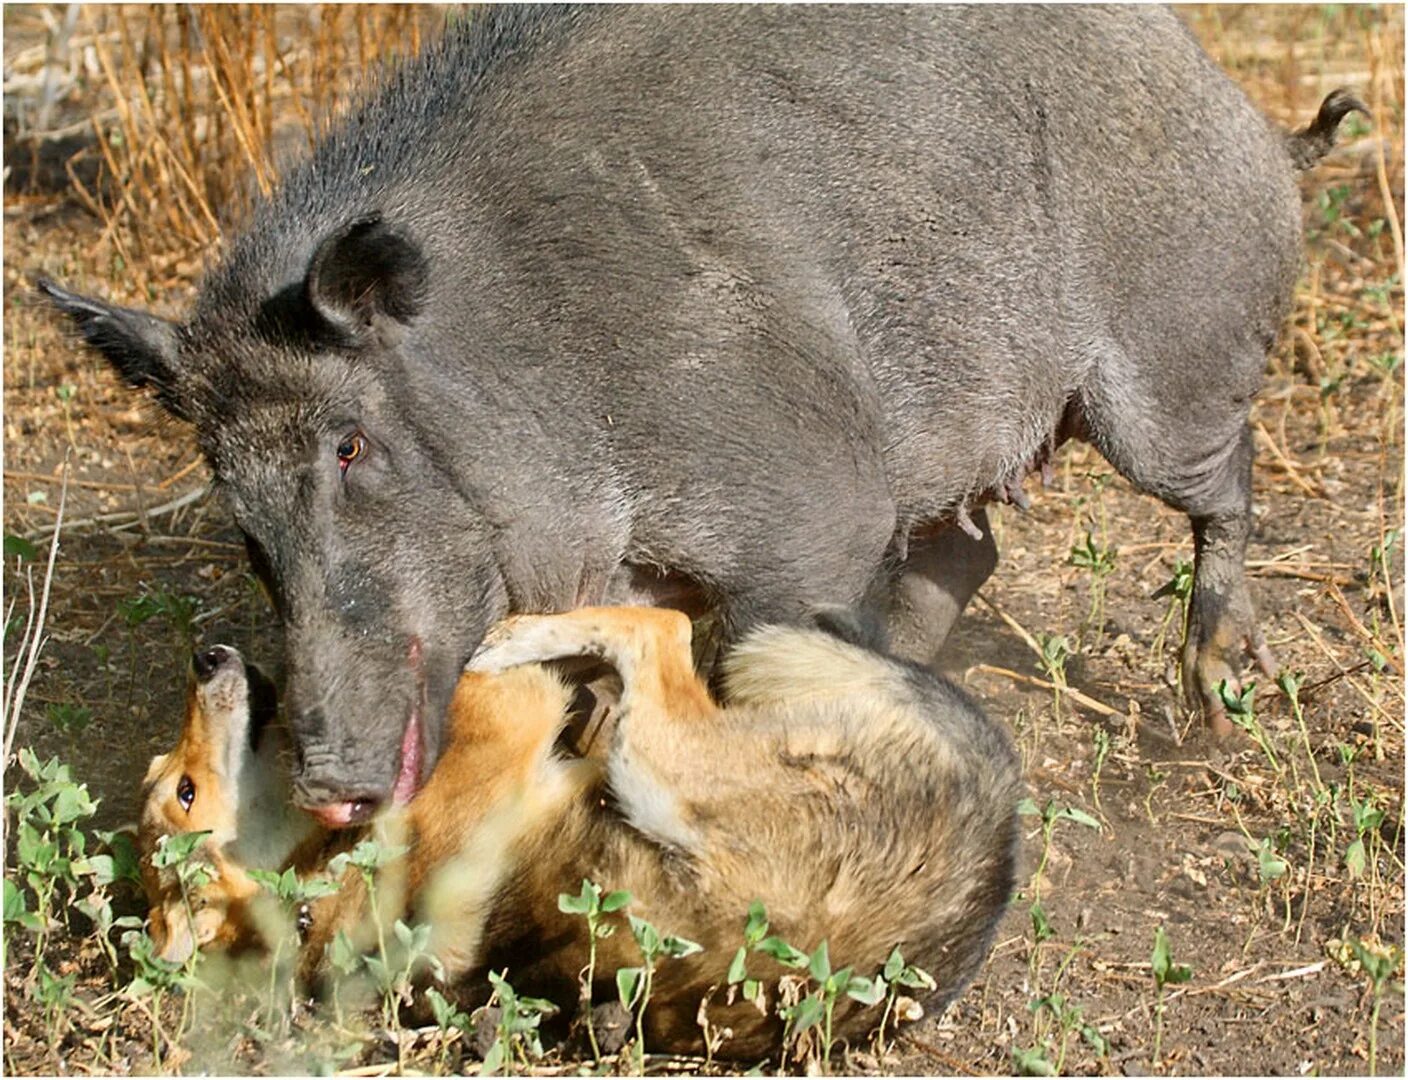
[861,799]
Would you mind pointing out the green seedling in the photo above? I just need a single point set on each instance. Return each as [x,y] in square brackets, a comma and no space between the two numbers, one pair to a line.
[1241,710]
[1166,973]
[594,907]
[1179,591]
[1051,815]
[755,930]
[634,984]
[1380,965]
[449,1019]
[894,975]
[1367,820]
[293,895]
[392,978]
[1055,651]
[1069,1019]
[517,1042]
[68,719]
[1102,751]
[1099,561]
[50,847]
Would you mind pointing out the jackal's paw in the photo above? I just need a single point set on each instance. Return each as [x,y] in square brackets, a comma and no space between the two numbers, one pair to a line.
[522,639]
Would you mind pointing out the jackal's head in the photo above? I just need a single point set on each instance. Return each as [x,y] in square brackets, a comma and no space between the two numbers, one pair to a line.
[225,778]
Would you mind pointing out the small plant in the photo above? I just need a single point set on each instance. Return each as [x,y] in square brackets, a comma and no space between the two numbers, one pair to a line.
[1179,590]
[895,974]
[1070,1019]
[392,978]
[50,847]
[293,895]
[1099,561]
[1055,651]
[67,718]
[1380,964]
[1166,973]
[591,904]
[516,1037]
[449,1019]
[1241,711]
[1102,751]
[634,983]
[1051,815]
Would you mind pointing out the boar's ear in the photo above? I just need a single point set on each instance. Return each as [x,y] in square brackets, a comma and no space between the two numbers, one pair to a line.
[364,271]
[140,346]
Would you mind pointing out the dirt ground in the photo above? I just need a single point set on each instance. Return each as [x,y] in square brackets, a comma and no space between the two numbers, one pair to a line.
[1245,854]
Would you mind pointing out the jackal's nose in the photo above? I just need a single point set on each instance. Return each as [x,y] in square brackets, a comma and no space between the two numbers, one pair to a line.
[208,661]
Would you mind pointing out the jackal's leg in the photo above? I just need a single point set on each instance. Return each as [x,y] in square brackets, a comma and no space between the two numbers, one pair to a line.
[662,701]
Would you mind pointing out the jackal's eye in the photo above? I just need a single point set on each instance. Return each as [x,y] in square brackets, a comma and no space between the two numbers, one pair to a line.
[185,793]
[350,449]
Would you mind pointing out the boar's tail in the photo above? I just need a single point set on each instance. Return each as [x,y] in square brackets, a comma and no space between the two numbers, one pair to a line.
[1313,142]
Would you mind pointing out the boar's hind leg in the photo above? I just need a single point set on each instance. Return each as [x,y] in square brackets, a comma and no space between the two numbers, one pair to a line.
[939,576]
[1198,459]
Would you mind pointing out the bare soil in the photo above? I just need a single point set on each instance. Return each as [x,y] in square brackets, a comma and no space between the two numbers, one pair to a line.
[1190,834]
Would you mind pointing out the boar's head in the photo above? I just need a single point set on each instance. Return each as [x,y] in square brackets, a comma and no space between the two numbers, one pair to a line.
[334,447]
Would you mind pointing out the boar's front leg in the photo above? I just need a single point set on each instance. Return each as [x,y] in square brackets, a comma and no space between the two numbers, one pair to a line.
[941,572]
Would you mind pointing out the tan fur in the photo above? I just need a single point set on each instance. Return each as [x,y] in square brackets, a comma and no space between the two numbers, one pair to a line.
[861,800]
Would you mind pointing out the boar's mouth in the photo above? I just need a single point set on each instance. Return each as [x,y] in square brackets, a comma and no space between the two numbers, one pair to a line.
[412,758]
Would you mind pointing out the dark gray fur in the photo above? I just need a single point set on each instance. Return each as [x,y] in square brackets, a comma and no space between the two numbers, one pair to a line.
[739,302]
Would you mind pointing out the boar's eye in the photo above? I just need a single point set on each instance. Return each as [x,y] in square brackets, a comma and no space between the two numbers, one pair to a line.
[185,793]
[350,449]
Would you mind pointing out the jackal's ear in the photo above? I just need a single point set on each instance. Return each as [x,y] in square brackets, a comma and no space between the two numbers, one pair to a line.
[364,271]
[142,347]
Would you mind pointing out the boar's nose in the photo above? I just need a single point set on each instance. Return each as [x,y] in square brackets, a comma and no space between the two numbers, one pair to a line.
[208,661]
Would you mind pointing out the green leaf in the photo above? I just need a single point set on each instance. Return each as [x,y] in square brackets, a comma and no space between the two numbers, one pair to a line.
[1041,926]
[628,984]
[757,926]
[174,850]
[807,1013]
[15,905]
[1032,1062]
[1269,864]
[573,905]
[1080,817]
[1166,972]
[17,547]
[819,963]
[615,901]
[493,1060]
[343,955]
[403,934]
[1354,859]
[751,989]
[894,964]
[737,971]
[867,991]
[676,947]
[782,952]
[269,879]
[917,979]
[126,865]
[1028,808]
[647,937]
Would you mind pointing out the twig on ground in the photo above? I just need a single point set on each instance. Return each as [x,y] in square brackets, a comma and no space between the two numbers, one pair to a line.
[1031,680]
